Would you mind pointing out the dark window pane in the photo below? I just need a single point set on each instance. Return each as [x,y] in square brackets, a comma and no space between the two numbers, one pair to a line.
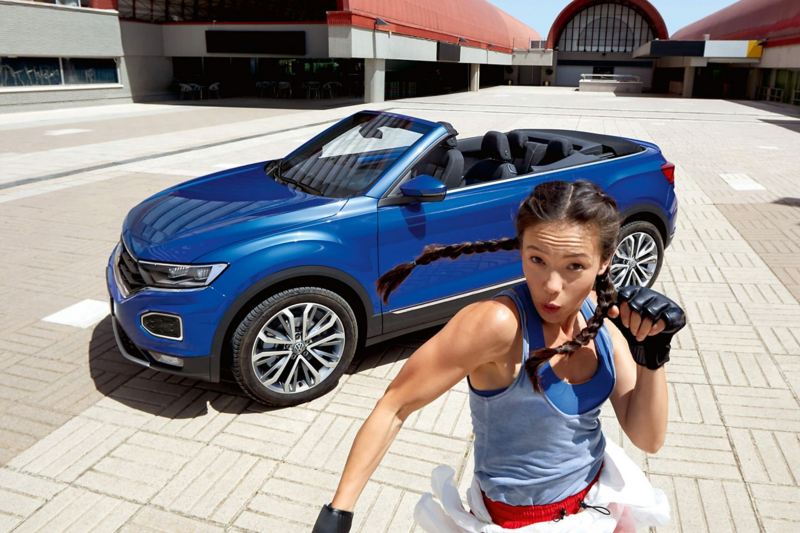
[87,71]
[221,10]
[607,27]
[29,71]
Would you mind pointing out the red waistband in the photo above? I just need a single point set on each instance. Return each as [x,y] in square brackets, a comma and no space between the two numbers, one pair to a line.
[515,516]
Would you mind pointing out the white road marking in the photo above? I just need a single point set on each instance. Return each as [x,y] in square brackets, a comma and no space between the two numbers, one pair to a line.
[742,182]
[81,315]
[69,131]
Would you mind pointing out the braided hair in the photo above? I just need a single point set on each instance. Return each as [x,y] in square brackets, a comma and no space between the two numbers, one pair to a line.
[580,202]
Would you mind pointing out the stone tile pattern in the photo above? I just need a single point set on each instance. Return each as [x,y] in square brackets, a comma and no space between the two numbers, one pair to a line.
[89,442]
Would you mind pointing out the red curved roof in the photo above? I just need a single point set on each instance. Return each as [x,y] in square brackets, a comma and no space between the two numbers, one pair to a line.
[650,13]
[748,19]
[476,22]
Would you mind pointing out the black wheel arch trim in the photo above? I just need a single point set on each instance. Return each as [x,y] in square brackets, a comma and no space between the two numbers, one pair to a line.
[374,323]
[647,213]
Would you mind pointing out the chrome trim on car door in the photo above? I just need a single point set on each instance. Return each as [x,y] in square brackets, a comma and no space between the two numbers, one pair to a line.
[456,297]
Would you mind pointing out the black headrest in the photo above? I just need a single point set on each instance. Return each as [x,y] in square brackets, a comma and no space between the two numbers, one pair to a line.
[516,140]
[495,146]
[558,148]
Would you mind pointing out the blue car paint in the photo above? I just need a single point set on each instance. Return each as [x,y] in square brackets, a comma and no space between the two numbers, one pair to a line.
[191,220]
[262,229]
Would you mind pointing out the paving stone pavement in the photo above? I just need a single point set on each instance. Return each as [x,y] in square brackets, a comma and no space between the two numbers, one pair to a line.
[90,442]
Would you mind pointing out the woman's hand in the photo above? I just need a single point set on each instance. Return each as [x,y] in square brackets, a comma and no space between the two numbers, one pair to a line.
[332,520]
[648,320]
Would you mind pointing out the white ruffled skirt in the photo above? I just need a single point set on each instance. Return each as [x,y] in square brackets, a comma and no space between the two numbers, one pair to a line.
[622,488]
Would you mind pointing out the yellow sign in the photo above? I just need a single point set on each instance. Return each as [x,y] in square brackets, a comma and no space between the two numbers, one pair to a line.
[754,49]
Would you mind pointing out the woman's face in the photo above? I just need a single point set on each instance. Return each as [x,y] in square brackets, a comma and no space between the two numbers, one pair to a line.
[560,261]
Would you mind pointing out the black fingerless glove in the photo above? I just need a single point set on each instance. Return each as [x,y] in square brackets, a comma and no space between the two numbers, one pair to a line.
[653,351]
[332,520]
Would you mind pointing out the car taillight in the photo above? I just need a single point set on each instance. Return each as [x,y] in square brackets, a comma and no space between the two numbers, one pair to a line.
[669,172]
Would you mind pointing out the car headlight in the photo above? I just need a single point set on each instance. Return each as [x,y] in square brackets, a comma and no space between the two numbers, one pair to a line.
[179,276]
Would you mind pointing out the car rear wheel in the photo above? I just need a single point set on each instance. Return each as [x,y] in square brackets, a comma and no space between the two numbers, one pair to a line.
[639,255]
[294,346]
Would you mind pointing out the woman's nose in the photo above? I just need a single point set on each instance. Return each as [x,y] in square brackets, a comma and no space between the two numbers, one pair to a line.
[553,283]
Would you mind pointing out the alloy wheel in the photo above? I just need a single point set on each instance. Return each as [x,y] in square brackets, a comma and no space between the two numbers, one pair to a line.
[635,260]
[298,348]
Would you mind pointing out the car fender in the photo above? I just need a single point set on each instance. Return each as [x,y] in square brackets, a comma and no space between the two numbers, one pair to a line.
[289,260]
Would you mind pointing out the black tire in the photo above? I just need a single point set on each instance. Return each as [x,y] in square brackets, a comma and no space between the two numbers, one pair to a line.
[637,237]
[256,379]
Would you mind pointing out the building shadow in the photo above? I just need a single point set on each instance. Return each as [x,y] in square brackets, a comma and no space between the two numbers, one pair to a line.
[788,110]
[288,104]
[791,125]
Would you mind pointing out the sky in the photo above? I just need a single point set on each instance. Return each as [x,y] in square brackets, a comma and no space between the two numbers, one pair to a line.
[540,14]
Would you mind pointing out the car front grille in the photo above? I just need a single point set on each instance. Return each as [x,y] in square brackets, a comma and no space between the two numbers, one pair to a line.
[129,271]
[128,345]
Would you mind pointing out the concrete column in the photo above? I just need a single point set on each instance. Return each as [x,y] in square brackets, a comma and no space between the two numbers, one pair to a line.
[374,80]
[474,77]
[688,82]
[753,77]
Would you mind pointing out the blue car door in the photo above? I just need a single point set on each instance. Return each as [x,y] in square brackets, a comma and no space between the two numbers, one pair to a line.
[437,290]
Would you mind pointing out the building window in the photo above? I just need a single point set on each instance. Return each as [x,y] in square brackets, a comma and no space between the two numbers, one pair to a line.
[610,27]
[29,71]
[230,11]
[87,71]
[53,71]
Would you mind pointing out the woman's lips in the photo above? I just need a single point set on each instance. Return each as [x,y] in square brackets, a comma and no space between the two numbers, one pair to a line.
[551,308]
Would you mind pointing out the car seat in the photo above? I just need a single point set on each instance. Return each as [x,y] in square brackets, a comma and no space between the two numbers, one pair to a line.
[534,154]
[496,164]
[557,149]
[445,164]
[525,153]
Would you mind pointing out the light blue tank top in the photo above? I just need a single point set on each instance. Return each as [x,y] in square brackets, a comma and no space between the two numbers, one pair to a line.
[532,448]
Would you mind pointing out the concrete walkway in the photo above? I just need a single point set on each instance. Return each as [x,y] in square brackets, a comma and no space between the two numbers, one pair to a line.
[89,442]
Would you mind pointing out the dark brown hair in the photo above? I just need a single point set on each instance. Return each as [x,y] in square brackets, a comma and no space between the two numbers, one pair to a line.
[579,202]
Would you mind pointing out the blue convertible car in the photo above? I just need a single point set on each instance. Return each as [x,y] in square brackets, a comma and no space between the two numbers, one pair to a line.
[269,269]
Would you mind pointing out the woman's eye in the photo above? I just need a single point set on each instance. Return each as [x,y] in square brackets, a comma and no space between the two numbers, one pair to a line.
[536,260]
[576,266]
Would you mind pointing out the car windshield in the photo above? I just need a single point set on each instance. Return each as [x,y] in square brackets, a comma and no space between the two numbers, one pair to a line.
[346,159]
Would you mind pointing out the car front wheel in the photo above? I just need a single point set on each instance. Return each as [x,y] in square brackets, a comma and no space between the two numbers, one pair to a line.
[294,346]
[639,255]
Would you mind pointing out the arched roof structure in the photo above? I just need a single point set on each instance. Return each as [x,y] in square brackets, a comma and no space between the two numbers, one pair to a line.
[645,8]
[468,22]
[775,20]
[474,23]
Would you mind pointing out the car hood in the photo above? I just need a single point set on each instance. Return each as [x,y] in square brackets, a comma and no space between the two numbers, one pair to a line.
[190,220]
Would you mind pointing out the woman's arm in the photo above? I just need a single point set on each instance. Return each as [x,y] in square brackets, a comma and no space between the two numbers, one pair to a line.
[648,321]
[480,333]
[639,397]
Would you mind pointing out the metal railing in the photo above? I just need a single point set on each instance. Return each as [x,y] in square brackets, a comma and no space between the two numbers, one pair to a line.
[611,77]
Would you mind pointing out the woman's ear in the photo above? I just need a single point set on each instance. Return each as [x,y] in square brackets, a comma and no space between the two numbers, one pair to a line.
[603,267]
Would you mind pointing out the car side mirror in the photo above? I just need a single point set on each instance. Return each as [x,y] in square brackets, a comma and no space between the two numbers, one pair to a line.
[424,188]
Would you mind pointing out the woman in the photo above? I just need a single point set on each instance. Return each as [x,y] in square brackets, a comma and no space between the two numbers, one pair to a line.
[540,360]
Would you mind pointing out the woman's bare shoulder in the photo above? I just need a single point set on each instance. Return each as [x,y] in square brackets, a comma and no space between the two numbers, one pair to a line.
[491,325]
